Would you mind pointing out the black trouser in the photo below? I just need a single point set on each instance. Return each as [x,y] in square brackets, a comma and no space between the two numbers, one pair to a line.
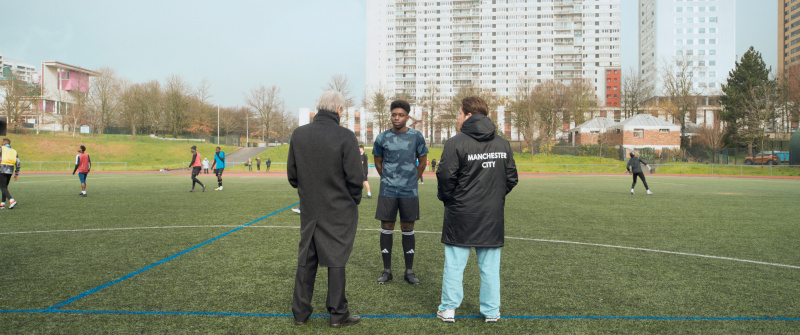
[195,172]
[4,180]
[304,290]
[641,176]
[258,167]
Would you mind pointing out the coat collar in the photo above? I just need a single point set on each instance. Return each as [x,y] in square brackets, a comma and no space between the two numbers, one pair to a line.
[326,116]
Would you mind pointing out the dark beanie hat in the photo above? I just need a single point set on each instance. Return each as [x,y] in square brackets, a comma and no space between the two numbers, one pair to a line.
[194,147]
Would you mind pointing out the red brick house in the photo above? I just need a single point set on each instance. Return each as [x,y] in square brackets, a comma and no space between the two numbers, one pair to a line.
[590,131]
[645,131]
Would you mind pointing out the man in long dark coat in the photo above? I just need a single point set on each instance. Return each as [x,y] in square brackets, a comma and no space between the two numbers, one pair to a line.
[325,166]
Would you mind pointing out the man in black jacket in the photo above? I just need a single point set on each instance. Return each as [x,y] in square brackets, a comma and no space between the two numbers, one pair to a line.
[634,167]
[325,168]
[476,172]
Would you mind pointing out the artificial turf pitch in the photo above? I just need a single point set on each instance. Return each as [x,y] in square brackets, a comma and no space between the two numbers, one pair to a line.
[178,262]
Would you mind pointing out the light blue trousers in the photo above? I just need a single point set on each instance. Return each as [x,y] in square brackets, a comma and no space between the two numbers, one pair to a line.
[455,260]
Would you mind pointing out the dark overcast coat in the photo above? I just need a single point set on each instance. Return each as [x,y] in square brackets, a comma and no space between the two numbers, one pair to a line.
[475,173]
[325,166]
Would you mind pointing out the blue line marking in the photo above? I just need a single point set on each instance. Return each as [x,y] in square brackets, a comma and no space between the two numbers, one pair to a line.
[128,276]
[428,316]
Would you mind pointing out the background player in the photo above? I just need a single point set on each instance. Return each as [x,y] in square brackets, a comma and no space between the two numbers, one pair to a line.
[219,163]
[196,165]
[9,160]
[634,167]
[83,164]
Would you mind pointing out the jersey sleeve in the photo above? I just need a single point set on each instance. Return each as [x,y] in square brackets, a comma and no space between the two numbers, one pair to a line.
[422,148]
[377,146]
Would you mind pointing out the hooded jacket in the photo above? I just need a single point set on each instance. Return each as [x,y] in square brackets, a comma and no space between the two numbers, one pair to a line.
[475,173]
[635,165]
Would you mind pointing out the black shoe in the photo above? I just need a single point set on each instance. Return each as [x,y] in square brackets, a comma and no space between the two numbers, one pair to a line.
[385,276]
[204,188]
[410,277]
[192,190]
[369,197]
[351,320]
[83,195]
[300,323]
[80,193]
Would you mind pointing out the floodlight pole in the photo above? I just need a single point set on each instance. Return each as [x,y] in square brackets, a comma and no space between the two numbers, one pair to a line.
[248,128]
[217,124]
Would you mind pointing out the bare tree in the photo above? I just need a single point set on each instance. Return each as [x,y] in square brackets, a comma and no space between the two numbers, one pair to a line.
[379,104]
[550,100]
[265,102]
[713,137]
[581,100]
[104,98]
[678,77]
[150,100]
[634,93]
[521,110]
[176,103]
[760,106]
[340,83]
[18,98]
[431,102]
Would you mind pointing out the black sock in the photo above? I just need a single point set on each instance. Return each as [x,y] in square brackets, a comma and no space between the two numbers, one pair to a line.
[219,182]
[386,248]
[408,248]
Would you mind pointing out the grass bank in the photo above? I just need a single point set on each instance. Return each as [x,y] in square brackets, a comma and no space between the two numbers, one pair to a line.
[142,153]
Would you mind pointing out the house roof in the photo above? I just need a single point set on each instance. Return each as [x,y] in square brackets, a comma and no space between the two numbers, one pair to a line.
[645,121]
[70,67]
[598,123]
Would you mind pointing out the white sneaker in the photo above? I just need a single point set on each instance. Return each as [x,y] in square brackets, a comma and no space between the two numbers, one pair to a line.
[12,203]
[216,189]
[296,210]
[649,193]
[448,315]
[494,319]
[220,188]
[631,191]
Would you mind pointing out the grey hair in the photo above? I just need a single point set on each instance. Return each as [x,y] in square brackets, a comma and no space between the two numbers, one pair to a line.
[330,101]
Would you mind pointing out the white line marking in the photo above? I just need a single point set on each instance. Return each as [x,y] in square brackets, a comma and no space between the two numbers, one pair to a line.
[654,250]
[74,179]
[428,232]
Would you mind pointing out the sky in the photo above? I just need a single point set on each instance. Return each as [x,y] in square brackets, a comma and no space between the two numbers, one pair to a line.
[238,45]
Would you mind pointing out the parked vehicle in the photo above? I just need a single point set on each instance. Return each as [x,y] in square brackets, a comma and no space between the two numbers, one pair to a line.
[764,157]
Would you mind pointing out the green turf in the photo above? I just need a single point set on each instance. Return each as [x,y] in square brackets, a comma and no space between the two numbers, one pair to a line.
[252,270]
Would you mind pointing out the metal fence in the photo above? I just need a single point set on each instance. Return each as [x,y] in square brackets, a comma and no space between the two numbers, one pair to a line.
[570,168]
[726,169]
[240,166]
[69,166]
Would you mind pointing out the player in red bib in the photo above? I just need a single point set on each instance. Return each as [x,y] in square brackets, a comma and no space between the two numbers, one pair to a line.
[197,163]
[83,164]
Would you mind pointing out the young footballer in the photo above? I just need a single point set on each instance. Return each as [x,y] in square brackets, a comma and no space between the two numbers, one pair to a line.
[219,163]
[196,164]
[396,153]
[9,164]
[634,167]
[83,164]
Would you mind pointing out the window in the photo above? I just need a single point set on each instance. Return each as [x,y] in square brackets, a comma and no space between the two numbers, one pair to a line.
[638,133]
[663,131]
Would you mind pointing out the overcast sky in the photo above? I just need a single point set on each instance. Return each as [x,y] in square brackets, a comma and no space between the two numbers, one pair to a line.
[238,45]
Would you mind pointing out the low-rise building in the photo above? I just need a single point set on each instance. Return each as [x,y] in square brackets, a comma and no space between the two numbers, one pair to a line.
[645,131]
